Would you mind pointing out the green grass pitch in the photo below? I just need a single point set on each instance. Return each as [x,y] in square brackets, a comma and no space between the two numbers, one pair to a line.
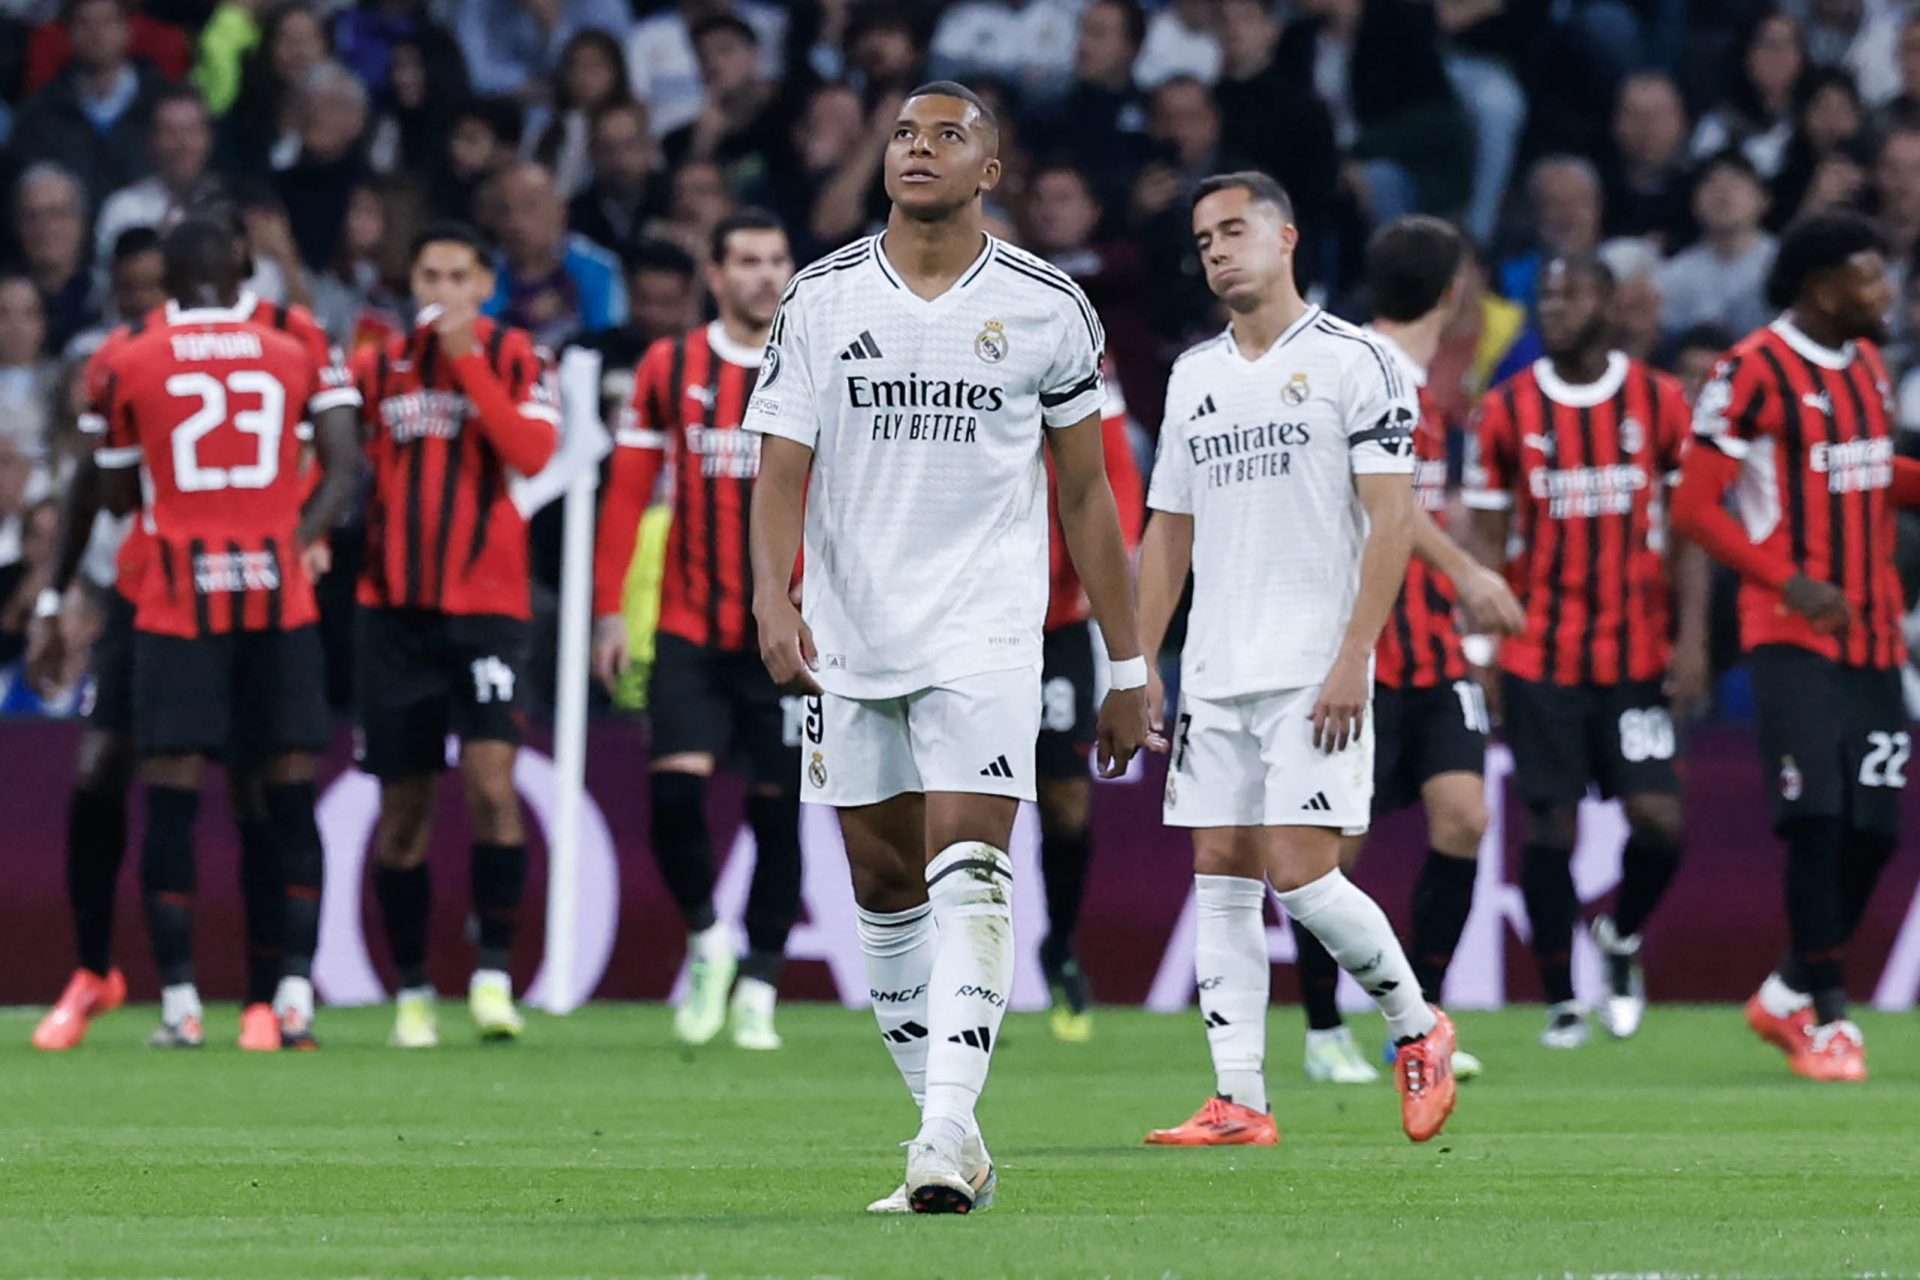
[596,1147]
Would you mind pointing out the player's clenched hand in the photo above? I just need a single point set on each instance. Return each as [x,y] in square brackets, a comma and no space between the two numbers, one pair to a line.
[317,560]
[786,644]
[1123,730]
[1156,710]
[1821,603]
[1338,715]
[454,325]
[1688,680]
[609,650]
[1489,603]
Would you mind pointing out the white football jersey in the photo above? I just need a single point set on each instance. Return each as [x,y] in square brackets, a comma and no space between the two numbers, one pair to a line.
[926,529]
[1262,454]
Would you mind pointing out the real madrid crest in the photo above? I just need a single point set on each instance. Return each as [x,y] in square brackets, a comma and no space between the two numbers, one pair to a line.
[817,770]
[1296,391]
[991,344]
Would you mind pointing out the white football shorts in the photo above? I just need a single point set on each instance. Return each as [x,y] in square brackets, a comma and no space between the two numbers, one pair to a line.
[1250,762]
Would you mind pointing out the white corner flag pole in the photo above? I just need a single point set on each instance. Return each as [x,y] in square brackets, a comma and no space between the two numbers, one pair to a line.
[583,443]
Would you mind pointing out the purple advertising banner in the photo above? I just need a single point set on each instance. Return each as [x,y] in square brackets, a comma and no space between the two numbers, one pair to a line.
[1714,938]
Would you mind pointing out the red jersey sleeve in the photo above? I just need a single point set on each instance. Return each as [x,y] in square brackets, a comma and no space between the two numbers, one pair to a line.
[116,438]
[334,386]
[640,446]
[1735,408]
[517,409]
[1123,476]
[1493,456]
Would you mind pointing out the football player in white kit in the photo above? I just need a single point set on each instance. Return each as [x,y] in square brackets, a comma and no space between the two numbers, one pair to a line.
[1285,481]
[908,385]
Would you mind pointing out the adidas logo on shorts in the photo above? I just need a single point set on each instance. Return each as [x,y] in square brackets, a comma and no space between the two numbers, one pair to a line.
[1319,803]
[998,769]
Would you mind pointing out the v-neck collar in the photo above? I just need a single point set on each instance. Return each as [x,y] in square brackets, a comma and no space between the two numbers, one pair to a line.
[1291,332]
[953,290]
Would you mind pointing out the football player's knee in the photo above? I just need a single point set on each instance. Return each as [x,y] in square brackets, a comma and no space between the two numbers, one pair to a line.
[1554,826]
[494,806]
[884,882]
[1458,827]
[1655,820]
[1065,807]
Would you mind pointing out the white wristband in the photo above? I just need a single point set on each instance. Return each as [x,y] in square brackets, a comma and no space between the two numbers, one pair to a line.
[47,603]
[1480,650]
[1128,673]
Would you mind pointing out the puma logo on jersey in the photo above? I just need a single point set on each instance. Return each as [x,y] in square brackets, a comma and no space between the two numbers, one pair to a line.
[1819,401]
[703,396]
[1534,440]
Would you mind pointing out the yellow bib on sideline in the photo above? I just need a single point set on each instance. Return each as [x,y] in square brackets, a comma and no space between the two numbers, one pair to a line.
[640,603]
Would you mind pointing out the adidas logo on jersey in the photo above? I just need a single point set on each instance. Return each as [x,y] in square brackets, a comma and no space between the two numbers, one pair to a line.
[998,769]
[979,1038]
[862,348]
[1318,804]
[1206,407]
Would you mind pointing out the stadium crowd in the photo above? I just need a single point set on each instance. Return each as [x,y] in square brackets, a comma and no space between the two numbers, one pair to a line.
[599,143]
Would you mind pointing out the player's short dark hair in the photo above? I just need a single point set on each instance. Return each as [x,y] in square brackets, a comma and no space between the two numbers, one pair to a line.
[1816,244]
[133,242]
[1410,264]
[1590,265]
[740,220]
[954,89]
[448,231]
[1261,187]
[659,255]
[1134,16]
[198,259]
[730,23]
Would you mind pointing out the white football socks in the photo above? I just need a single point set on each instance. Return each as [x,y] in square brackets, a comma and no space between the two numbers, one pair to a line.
[1781,1000]
[179,1002]
[1355,932]
[1234,976]
[970,888]
[898,947]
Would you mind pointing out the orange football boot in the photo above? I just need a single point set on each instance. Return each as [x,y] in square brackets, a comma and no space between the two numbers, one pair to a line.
[1423,1073]
[1785,1034]
[1833,1054]
[1220,1123]
[87,995]
[259,1029]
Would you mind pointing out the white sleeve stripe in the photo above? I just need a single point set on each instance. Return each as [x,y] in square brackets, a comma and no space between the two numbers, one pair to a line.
[93,424]
[1487,499]
[640,438]
[338,398]
[116,459]
[541,413]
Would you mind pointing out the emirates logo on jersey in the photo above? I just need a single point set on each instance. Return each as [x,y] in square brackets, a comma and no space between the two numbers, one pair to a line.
[224,572]
[725,454]
[1575,492]
[1853,466]
[425,415]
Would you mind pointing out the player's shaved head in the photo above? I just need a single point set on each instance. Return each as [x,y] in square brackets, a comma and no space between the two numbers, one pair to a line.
[200,266]
[982,116]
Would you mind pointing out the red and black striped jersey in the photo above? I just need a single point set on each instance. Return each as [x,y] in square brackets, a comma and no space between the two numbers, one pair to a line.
[449,439]
[1066,594]
[1810,429]
[1584,469]
[335,388]
[688,397]
[1420,645]
[208,405]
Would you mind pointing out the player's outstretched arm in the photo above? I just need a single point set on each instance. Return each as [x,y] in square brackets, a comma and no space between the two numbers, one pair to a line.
[773,536]
[336,438]
[46,640]
[1485,596]
[1388,500]
[1166,556]
[1692,670]
[1091,521]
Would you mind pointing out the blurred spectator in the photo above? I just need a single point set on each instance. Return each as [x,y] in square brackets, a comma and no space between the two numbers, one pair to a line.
[50,215]
[1274,122]
[739,126]
[1026,43]
[1905,104]
[829,127]
[1857,37]
[1184,126]
[1376,65]
[92,117]
[28,539]
[232,32]
[1692,353]
[483,138]
[1826,161]
[1181,41]
[51,48]
[1896,199]
[1722,279]
[1757,116]
[316,182]
[135,286]
[663,300]
[1062,223]
[697,200]
[179,144]
[28,380]
[425,87]
[616,204]
[886,53]
[292,43]
[591,78]
[847,174]
[1103,112]
[553,283]
[513,46]
[1497,107]
[662,68]
[1633,314]
[367,35]
[360,299]
[1646,178]
[1563,193]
